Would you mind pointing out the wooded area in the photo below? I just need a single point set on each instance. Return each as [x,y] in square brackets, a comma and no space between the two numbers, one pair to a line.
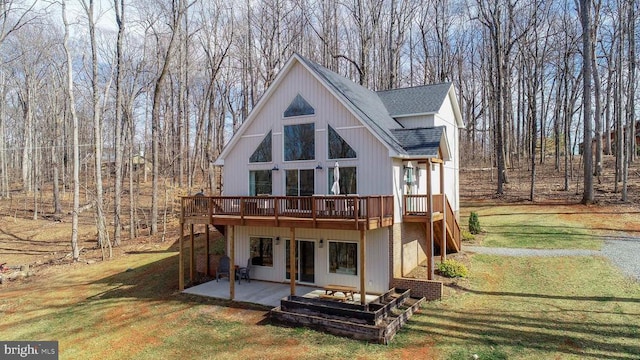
[116,91]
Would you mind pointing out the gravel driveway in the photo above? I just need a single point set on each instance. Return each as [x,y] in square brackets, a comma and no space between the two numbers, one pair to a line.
[624,252]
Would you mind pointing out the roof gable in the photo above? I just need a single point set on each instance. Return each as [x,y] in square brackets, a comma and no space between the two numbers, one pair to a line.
[374,110]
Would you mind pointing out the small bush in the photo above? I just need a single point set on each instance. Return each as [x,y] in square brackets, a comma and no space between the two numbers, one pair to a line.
[474,223]
[453,268]
[467,236]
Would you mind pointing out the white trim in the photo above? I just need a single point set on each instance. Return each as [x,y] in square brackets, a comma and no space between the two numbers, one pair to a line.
[349,127]
[415,114]
[254,135]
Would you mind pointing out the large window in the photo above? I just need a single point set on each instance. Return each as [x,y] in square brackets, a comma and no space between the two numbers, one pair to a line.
[259,182]
[299,142]
[298,107]
[261,251]
[348,181]
[338,147]
[343,258]
[263,152]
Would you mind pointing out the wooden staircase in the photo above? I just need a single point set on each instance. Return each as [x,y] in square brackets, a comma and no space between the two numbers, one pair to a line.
[452,226]
[453,244]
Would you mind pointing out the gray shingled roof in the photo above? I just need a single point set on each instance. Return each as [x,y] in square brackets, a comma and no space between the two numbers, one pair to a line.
[420,142]
[363,102]
[425,99]
[375,109]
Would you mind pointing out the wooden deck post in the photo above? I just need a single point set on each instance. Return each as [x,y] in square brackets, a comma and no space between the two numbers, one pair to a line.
[429,227]
[443,242]
[181,260]
[232,267]
[292,261]
[191,255]
[363,266]
[207,249]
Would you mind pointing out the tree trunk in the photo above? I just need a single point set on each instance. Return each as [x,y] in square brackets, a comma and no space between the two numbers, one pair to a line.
[119,124]
[75,251]
[597,90]
[103,235]
[4,177]
[585,9]
[155,119]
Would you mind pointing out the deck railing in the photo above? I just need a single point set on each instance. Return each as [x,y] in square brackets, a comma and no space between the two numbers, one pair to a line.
[417,205]
[316,207]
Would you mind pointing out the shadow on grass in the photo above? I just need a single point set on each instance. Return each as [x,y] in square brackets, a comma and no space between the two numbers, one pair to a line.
[543,296]
[85,306]
[548,204]
[582,339]
[158,280]
[561,234]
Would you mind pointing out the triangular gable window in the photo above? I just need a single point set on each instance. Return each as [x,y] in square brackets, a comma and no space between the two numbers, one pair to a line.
[299,107]
[338,147]
[263,152]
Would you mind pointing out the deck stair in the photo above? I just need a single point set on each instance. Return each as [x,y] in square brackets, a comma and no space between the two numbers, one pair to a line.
[452,244]
[377,321]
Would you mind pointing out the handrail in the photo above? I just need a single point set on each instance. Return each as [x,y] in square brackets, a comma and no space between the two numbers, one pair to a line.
[312,207]
[452,223]
[416,205]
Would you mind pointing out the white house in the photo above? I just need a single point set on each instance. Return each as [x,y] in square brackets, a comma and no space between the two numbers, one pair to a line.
[396,154]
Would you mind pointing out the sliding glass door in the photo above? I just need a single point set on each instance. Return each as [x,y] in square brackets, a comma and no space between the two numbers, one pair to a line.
[304,261]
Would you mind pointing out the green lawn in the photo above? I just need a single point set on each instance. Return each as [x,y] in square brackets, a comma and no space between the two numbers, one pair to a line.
[538,308]
[515,308]
[536,227]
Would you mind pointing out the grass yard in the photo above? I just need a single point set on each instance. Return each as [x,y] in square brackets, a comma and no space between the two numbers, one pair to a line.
[551,226]
[508,308]
[537,308]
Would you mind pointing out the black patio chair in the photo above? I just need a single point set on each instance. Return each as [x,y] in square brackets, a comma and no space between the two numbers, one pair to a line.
[224,268]
[244,272]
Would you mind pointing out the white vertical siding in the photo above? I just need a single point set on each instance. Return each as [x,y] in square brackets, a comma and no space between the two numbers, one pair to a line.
[398,190]
[373,161]
[377,261]
[417,121]
[447,118]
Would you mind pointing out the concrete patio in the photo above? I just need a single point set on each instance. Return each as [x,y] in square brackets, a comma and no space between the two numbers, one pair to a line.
[259,292]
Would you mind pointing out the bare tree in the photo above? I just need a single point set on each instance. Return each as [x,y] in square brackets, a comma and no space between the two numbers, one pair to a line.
[76,155]
[103,235]
[119,7]
[587,151]
[177,11]
[630,106]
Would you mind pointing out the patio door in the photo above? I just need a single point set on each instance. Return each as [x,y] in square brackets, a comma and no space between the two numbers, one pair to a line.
[304,262]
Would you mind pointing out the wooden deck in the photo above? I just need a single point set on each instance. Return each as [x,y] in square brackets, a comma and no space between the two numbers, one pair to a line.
[322,212]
